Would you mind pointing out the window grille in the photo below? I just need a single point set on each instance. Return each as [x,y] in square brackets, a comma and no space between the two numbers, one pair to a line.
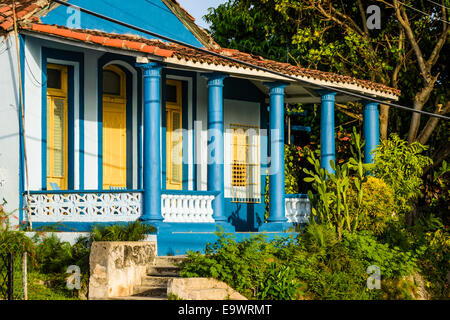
[245,164]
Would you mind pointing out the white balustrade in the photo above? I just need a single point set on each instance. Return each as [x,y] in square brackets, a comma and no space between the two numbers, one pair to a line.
[187,208]
[84,207]
[297,210]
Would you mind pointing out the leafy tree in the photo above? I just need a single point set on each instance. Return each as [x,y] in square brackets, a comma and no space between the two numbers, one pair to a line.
[406,53]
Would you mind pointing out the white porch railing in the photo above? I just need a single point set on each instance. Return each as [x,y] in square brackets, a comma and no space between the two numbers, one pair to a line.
[187,206]
[116,205]
[297,208]
[84,206]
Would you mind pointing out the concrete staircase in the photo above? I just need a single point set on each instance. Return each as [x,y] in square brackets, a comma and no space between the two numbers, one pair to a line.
[154,284]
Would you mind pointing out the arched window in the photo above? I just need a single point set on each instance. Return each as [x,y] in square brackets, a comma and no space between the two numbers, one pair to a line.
[111,83]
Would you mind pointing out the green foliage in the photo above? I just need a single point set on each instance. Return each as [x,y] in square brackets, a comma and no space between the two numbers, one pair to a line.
[331,203]
[247,266]
[312,265]
[377,205]
[401,165]
[53,255]
[13,241]
[132,231]
[279,283]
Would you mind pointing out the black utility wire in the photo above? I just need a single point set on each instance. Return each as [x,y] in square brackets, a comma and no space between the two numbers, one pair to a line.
[356,95]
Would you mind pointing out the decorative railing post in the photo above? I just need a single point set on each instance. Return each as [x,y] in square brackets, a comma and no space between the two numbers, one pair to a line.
[371,128]
[152,143]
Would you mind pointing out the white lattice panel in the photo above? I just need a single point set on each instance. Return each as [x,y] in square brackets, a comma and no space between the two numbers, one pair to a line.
[297,210]
[84,207]
[187,208]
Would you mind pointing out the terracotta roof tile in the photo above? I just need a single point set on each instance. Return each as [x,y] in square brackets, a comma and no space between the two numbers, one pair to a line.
[28,9]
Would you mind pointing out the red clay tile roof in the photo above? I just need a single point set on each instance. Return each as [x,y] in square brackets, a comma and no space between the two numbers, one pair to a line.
[172,50]
[24,8]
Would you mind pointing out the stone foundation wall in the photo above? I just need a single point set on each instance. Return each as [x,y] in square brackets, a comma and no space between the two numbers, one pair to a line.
[116,268]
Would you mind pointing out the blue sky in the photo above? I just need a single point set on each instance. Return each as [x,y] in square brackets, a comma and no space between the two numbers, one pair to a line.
[198,8]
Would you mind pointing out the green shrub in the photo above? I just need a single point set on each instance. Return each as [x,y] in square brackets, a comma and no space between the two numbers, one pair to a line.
[377,205]
[132,231]
[401,165]
[53,255]
[279,283]
[331,198]
[248,266]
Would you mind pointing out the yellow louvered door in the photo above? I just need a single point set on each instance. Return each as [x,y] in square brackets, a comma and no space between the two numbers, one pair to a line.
[114,129]
[57,139]
[174,137]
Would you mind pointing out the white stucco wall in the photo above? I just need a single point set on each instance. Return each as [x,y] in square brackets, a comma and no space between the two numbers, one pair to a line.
[235,112]
[9,126]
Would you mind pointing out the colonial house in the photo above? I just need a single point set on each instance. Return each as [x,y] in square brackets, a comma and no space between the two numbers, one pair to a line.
[103,123]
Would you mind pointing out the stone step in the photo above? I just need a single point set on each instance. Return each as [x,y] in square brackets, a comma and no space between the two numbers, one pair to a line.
[169,260]
[139,298]
[155,281]
[162,271]
[150,291]
[209,294]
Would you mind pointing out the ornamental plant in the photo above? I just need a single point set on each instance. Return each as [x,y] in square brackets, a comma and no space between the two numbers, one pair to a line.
[331,201]
[401,165]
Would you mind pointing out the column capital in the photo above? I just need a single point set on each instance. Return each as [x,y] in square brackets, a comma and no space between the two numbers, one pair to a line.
[327,95]
[276,87]
[151,69]
[370,104]
[215,78]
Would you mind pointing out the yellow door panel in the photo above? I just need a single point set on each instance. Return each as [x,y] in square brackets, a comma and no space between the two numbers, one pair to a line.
[57,126]
[114,132]
[174,138]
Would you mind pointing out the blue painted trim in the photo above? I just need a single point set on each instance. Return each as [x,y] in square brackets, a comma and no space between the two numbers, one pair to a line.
[44,120]
[194,118]
[21,131]
[71,129]
[191,192]
[185,121]
[296,196]
[139,128]
[301,128]
[84,191]
[71,226]
[50,53]
[163,130]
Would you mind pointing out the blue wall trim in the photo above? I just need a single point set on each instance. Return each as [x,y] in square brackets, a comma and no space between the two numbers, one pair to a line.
[49,53]
[21,135]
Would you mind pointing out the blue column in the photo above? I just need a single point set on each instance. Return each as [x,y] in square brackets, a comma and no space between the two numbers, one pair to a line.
[152,143]
[371,127]
[216,145]
[327,143]
[277,220]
